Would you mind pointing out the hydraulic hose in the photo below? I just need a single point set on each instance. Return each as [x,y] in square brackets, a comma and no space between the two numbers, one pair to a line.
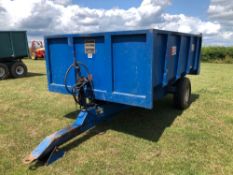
[78,88]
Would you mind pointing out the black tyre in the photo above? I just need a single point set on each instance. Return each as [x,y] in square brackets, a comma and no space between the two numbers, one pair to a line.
[182,96]
[18,69]
[4,71]
[9,64]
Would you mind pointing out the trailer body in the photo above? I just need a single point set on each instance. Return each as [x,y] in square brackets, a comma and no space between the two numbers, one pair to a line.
[13,45]
[130,67]
[13,48]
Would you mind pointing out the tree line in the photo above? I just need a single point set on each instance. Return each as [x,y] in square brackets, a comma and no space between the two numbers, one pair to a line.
[217,54]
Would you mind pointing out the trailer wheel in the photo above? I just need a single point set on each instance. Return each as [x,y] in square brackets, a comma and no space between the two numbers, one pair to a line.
[182,96]
[4,71]
[18,69]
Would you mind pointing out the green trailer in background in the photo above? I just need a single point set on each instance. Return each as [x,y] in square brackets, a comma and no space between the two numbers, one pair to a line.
[13,48]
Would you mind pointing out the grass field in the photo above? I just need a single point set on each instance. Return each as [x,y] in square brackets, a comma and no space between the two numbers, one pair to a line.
[162,141]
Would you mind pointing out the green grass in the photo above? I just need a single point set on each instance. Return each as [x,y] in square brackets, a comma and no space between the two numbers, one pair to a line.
[198,140]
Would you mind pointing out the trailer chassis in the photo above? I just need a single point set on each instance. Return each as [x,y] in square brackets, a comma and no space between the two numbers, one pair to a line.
[48,150]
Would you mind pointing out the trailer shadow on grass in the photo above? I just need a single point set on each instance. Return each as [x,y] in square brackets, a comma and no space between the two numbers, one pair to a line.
[146,124]
[142,123]
[29,74]
[32,74]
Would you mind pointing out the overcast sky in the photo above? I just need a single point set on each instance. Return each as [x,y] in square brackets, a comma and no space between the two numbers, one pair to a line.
[213,18]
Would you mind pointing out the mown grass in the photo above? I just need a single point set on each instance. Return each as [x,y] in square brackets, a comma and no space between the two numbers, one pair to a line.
[161,141]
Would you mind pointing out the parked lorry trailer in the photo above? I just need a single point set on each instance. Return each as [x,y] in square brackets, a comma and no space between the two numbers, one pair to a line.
[13,48]
[111,71]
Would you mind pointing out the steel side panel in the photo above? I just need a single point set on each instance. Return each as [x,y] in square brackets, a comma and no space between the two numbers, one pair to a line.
[173,58]
[160,45]
[20,44]
[13,44]
[196,67]
[121,74]
[60,59]
[168,67]
[98,64]
[130,67]
[5,45]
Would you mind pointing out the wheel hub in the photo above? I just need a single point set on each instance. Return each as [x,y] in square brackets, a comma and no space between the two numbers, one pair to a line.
[2,72]
[187,94]
[19,70]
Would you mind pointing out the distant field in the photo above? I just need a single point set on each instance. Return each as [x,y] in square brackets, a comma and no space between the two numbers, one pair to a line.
[161,141]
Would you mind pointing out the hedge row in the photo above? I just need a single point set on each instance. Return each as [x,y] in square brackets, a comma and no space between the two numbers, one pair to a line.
[217,54]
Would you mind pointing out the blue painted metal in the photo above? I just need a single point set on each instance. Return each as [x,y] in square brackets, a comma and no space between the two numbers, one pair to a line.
[85,120]
[130,67]
[55,155]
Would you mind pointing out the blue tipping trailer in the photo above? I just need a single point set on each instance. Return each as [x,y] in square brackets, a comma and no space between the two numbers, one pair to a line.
[108,72]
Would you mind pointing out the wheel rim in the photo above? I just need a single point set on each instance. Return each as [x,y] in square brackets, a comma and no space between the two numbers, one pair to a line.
[187,94]
[2,72]
[19,70]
